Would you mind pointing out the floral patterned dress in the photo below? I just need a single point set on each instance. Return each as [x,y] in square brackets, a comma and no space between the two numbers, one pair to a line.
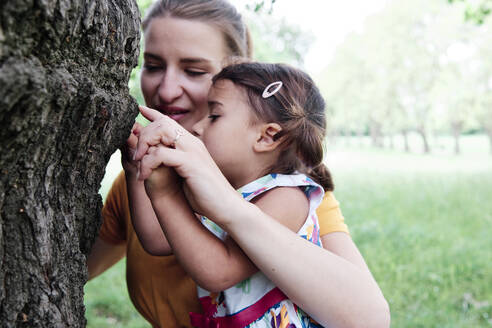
[256,301]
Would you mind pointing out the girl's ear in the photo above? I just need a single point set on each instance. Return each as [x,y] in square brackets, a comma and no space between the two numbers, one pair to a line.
[266,138]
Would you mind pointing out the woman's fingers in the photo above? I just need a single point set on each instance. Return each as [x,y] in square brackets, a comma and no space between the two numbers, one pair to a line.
[128,149]
[152,135]
[156,156]
[149,135]
[149,113]
[132,140]
[136,128]
[163,130]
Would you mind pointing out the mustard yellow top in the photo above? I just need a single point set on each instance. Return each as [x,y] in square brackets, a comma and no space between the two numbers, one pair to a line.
[158,286]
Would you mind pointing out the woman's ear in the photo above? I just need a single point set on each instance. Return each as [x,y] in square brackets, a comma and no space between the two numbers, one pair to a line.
[266,140]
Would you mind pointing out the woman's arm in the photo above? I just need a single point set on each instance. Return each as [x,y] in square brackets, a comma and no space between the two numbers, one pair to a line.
[110,244]
[334,286]
[103,256]
[212,263]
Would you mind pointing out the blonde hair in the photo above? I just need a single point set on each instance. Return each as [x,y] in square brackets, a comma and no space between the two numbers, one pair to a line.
[218,13]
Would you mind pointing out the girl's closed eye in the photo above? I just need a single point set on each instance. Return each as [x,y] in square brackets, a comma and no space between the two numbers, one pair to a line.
[213,117]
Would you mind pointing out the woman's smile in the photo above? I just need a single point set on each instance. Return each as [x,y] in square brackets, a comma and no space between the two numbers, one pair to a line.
[174,112]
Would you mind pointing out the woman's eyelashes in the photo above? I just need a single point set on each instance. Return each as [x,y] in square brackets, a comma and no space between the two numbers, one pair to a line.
[152,67]
[195,72]
[189,71]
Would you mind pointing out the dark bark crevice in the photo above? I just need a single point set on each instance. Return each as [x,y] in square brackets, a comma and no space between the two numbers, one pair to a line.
[64,109]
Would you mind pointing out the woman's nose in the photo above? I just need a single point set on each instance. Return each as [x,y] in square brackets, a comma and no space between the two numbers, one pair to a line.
[170,87]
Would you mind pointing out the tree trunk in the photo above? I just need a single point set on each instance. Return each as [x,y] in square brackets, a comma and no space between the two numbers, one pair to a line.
[376,134]
[456,137]
[345,137]
[64,109]
[425,140]
[457,127]
[391,141]
[489,133]
[405,141]
[360,137]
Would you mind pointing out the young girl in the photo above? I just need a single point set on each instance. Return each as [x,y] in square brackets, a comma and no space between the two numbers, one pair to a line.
[265,130]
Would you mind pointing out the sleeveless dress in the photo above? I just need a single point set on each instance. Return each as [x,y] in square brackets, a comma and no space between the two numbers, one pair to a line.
[256,301]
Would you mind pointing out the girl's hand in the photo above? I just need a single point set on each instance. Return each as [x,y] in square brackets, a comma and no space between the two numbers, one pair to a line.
[207,190]
[163,180]
[128,150]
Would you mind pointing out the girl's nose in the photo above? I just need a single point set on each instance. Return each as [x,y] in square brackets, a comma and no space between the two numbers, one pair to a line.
[198,127]
[170,87]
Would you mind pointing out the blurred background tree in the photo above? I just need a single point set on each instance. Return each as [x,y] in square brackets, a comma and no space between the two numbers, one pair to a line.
[476,10]
[416,67]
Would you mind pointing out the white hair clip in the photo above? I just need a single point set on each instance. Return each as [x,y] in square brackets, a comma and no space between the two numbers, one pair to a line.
[275,85]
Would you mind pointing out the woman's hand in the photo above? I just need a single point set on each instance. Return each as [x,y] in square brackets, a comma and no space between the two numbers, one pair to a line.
[128,150]
[207,190]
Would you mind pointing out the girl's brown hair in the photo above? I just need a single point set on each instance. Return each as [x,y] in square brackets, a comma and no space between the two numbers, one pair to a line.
[297,107]
[218,13]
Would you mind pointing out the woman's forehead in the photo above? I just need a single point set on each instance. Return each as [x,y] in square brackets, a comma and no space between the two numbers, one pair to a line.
[185,39]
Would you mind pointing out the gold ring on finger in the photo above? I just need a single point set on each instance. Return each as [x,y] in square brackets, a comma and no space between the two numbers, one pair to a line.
[179,133]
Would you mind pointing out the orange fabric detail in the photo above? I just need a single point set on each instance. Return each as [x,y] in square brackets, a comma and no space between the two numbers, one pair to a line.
[113,228]
[330,216]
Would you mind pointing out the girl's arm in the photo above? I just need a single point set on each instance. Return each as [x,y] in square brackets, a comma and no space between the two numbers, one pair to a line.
[212,263]
[143,217]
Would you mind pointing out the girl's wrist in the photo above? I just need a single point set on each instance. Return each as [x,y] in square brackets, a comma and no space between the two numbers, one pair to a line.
[166,197]
[130,168]
[131,179]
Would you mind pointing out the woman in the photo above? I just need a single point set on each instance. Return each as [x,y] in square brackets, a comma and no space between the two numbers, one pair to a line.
[186,43]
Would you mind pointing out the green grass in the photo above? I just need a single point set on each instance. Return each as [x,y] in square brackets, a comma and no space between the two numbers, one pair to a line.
[426,238]
[422,222]
[107,302]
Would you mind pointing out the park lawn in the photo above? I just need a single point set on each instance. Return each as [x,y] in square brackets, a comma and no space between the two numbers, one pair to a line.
[427,241]
[108,304]
[422,223]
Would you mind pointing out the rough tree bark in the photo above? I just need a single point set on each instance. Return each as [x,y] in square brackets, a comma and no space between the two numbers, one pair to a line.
[64,109]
